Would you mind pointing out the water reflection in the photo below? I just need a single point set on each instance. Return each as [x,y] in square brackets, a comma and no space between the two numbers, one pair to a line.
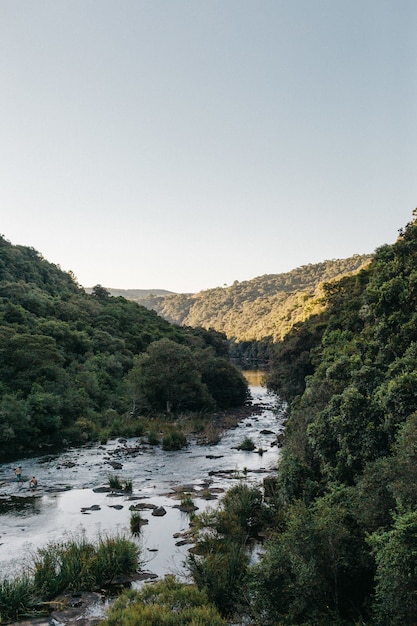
[255,378]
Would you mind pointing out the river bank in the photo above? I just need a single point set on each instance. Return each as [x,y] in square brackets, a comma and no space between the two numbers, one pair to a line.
[71,497]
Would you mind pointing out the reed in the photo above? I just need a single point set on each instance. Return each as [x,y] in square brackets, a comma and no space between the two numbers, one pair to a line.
[80,565]
[247,445]
[136,522]
[114,482]
[17,599]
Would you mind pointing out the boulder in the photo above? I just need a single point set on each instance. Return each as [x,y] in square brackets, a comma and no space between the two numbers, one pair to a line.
[159,511]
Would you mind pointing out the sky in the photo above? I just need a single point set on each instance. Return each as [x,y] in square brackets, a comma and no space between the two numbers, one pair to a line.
[187,144]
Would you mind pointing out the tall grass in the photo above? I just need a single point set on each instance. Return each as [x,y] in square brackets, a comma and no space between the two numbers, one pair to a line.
[247,445]
[136,522]
[78,564]
[117,485]
[18,599]
[75,564]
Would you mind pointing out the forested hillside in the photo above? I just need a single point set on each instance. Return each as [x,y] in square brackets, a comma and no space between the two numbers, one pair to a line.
[345,549]
[267,306]
[72,363]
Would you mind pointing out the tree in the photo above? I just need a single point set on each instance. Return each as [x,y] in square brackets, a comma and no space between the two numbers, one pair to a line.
[168,379]
[395,554]
[100,292]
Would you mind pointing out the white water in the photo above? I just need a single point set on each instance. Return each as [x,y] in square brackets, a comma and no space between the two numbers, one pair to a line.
[27,523]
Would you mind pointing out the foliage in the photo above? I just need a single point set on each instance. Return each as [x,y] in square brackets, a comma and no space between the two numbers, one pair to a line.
[250,311]
[17,599]
[345,541]
[78,564]
[70,361]
[316,570]
[167,602]
[220,560]
[75,564]
[395,554]
[247,444]
[174,440]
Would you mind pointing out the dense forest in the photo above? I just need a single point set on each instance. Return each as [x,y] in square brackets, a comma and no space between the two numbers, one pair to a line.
[265,307]
[73,363]
[345,550]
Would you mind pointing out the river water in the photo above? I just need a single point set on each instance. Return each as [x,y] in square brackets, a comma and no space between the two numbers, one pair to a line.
[67,482]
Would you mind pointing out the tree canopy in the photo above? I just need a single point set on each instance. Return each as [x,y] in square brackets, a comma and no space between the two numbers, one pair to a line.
[346,487]
[66,357]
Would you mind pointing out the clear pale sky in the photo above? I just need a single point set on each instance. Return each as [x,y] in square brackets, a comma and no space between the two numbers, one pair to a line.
[185,144]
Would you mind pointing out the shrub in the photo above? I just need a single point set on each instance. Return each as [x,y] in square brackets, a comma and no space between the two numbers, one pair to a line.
[174,440]
[166,602]
[220,573]
[153,438]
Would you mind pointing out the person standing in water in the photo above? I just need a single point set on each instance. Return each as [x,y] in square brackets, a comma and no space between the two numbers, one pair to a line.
[18,472]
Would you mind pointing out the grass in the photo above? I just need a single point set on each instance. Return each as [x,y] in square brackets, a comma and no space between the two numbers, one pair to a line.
[75,564]
[136,522]
[174,440]
[128,486]
[117,485]
[187,504]
[153,438]
[114,482]
[17,599]
[78,564]
[247,444]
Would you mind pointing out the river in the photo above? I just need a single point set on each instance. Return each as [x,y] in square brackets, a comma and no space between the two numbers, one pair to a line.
[67,482]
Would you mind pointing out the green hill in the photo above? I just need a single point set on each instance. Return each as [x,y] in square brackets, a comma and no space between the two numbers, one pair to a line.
[266,306]
[73,363]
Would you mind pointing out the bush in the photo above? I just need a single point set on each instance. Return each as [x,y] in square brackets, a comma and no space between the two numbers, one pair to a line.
[174,440]
[153,438]
[245,504]
[166,602]
[220,573]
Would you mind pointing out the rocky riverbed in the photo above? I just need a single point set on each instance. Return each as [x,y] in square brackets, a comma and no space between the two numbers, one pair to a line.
[73,496]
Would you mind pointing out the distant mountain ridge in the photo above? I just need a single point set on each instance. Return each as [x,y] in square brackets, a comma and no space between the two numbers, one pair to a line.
[266,306]
[137,295]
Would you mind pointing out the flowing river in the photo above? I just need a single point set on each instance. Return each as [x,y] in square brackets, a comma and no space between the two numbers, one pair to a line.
[61,505]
